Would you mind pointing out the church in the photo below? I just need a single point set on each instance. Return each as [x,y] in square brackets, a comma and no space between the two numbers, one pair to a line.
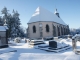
[44,23]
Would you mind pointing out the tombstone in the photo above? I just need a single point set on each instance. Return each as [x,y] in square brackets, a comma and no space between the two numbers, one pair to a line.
[55,38]
[25,41]
[49,38]
[74,43]
[53,44]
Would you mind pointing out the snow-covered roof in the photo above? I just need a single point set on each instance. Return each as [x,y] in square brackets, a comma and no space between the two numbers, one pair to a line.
[2,28]
[6,27]
[42,14]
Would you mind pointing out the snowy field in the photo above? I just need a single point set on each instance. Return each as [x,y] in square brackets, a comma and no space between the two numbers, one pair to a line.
[23,51]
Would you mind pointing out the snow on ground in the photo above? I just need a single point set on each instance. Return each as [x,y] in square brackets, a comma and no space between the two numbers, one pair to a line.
[23,51]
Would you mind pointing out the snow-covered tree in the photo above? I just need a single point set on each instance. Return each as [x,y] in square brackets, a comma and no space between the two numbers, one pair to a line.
[10,24]
[5,13]
[16,25]
[1,21]
[13,23]
[23,31]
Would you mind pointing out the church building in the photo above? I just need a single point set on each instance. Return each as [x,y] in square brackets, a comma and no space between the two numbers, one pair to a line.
[44,23]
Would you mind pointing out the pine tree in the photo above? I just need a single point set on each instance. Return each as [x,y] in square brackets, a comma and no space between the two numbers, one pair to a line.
[1,21]
[5,13]
[16,24]
[13,23]
[10,24]
[23,31]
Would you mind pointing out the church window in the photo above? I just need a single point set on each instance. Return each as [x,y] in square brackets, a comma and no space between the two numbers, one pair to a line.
[61,30]
[34,29]
[47,28]
[58,31]
[54,31]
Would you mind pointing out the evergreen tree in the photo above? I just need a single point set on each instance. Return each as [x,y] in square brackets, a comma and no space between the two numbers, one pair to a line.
[1,21]
[10,24]
[13,23]
[23,31]
[16,25]
[5,13]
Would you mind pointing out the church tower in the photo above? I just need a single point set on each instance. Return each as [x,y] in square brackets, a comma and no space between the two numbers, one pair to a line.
[56,13]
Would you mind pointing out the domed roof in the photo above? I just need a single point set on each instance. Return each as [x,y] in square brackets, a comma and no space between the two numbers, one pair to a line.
[42,14]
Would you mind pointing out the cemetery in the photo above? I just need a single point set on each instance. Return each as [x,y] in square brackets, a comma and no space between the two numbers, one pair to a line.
[49,34]
[50,45]
[54,46]
[41,46]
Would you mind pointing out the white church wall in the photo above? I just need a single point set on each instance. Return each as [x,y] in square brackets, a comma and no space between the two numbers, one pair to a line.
[31,34]
[37,34]
[44,33]
[55,24]
[50,33]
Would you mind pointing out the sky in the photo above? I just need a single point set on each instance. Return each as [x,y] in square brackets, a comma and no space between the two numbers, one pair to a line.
[69,10]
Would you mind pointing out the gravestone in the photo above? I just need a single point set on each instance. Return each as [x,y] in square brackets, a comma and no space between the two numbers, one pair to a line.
[36,42]
[53,44]
[49,38]
[74,43]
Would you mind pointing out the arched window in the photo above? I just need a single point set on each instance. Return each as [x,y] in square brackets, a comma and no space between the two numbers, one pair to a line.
[34,29]
[64,31]
[54,31]
[58,31]
[47,28]
[61,31]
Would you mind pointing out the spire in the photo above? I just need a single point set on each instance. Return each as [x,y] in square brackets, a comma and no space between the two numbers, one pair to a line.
[56,13]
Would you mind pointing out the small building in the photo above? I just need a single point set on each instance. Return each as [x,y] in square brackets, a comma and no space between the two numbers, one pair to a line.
[44,23]
[3,36]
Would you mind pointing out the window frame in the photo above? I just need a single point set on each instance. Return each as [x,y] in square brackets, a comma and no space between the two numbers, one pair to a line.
[34,29]
[47,28]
